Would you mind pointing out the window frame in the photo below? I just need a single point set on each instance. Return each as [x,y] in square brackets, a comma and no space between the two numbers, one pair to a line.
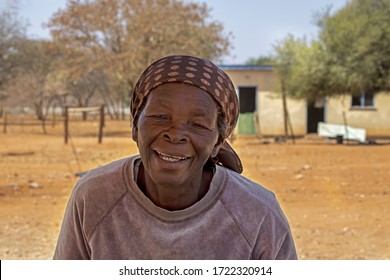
[364,98]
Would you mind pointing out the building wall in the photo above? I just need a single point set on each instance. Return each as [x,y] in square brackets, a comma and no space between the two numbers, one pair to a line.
[269,105]
[376,121]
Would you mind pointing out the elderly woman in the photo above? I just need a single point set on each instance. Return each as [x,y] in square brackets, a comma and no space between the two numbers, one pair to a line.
[182,197]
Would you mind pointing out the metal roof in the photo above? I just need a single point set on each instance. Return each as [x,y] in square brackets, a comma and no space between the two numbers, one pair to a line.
[245,67]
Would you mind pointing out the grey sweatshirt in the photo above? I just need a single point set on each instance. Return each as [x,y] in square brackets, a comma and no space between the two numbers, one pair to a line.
[108,217]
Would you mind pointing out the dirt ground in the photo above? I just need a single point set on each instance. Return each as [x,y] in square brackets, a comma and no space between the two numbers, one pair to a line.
[336,197]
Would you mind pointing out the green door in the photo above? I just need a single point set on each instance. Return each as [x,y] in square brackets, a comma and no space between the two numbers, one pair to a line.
[246,124]
[246,120]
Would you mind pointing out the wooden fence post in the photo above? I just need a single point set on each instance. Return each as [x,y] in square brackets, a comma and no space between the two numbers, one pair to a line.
[5,123]
[101,124]
[53,123]
[66,125]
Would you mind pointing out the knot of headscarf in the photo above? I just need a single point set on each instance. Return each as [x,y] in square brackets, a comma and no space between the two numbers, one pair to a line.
[203,74]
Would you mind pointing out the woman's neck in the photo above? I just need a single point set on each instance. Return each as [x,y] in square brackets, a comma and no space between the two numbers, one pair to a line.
[174,198]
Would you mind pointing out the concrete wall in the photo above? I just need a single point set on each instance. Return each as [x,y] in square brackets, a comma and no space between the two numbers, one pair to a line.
[271,116]
[375,120]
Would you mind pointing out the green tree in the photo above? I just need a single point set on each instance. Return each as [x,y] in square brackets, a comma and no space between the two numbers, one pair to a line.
[350,56]
[261,60]
[288,53]
[305,69]
[356,40]
[287,62]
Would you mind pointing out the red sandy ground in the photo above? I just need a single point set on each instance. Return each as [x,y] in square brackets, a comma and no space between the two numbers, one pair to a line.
[336,197]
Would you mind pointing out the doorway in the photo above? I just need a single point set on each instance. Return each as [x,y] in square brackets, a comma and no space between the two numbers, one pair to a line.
[247,98]
[315,114]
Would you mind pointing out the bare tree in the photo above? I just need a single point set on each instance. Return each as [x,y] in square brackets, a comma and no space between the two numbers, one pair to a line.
[12,33]
[36,84]
[85,88]
[121,37]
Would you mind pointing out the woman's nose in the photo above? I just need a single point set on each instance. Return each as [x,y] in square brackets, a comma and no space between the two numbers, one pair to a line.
[175,134]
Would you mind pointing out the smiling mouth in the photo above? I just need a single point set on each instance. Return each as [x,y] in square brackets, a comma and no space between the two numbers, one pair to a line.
[171,158]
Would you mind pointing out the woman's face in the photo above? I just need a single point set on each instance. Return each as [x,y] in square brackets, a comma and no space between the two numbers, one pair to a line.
[177,133]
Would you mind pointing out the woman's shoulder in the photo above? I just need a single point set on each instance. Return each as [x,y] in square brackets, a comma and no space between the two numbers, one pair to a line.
[240,187]
[249,201]
[105,180]
[254,208]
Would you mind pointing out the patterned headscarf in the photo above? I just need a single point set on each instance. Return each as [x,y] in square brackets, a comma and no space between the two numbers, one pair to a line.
[203,74]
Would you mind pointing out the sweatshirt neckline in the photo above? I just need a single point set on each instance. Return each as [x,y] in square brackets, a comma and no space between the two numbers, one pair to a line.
[216,187]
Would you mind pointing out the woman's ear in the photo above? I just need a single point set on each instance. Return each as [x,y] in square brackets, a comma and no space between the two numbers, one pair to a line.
[134,134]
[217,147]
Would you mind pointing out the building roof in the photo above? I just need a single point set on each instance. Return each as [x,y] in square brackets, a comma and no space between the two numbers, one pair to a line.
[245,67]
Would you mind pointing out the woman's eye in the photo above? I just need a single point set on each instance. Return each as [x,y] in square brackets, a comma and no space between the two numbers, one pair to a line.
[199,125]
[160,117]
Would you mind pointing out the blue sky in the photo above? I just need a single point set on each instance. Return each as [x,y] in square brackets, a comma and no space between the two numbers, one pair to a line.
[255,24]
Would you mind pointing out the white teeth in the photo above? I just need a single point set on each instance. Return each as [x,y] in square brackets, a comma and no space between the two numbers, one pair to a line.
[170,157]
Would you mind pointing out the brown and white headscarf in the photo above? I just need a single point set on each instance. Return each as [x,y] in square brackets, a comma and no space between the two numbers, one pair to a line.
[203,74]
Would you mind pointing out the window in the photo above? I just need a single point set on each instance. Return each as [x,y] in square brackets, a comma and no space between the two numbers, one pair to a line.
[365,100]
